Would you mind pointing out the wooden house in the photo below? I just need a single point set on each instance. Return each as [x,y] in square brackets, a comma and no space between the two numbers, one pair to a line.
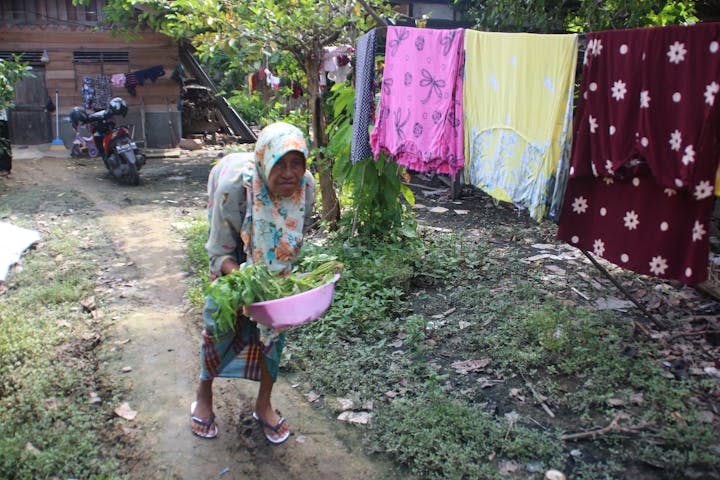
[79,61]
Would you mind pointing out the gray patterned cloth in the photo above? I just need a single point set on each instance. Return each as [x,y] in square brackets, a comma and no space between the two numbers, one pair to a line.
[364,97]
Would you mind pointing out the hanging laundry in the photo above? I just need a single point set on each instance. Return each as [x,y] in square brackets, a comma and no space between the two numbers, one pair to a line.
[297,90]
[640,192]
[88,92]
[152,74]
[364,97]
[131,83]
[420,114]
[518,116]
[96,92]
[336,62]
[118,80]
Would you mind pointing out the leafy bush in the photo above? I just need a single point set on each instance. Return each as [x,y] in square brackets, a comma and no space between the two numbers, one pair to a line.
[374,187]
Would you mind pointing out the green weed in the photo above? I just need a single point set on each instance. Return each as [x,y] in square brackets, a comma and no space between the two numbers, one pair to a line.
[437,437]
[376,343]
[50,430]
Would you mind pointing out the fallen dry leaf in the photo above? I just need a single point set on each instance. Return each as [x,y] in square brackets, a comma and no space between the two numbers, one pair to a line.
[444,314]
[124,411]
[345,403]
[359,418]
[465,366]
[88,304]
[438,210]
[312,396]
[507,467]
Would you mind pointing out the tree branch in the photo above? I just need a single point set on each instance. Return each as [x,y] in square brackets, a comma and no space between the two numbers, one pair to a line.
[371,11]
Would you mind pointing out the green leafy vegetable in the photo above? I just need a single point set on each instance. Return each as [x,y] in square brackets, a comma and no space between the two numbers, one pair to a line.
[256,283]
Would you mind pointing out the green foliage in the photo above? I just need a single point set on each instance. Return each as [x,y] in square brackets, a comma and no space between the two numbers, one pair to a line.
[375,188]
[370,289]
[261,112]
[518,15]
[586,15]
[250,107]
[195,234]
[11,72]
[290,32]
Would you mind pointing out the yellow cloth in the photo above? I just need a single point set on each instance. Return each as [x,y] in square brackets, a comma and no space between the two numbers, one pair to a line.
[518,116]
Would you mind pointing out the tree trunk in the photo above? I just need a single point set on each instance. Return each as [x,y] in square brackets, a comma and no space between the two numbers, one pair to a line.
[330,205]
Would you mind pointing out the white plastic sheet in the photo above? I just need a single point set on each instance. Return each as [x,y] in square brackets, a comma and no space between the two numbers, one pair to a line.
[13,243]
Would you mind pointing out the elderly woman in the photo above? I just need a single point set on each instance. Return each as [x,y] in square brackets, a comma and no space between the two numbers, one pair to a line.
[259,209]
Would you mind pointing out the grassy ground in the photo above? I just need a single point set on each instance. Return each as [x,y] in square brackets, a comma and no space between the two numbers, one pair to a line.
[472,367]
[55,412]
[455,346]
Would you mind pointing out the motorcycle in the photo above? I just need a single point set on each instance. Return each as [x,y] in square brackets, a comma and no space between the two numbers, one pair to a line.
[120,154]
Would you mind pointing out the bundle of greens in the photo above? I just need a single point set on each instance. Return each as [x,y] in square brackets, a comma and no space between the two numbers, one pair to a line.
[256,283]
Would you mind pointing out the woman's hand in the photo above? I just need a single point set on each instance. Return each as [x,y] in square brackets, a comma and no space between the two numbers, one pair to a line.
[228,266]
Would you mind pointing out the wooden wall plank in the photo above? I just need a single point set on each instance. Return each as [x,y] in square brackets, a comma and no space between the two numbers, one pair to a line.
[159,99]
[65,76]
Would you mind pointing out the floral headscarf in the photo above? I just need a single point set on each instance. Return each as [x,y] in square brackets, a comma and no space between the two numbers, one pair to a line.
[273,228]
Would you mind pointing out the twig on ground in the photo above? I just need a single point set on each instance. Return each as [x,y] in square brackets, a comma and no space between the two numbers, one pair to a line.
[695,333]
[613,427]
[580,293]
[539,398]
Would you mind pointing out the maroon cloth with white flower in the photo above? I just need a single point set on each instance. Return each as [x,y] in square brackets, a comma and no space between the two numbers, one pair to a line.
[645,150]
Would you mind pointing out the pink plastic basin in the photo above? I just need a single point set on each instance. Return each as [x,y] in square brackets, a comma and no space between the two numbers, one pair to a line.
[296,309]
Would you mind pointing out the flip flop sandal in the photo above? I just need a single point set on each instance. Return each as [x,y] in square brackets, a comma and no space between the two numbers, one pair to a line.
[207,424]
[275,429]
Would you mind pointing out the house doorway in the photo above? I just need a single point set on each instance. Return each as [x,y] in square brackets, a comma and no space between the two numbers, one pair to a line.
[30,123]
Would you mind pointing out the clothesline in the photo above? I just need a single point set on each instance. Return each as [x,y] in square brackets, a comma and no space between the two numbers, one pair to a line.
[631,135]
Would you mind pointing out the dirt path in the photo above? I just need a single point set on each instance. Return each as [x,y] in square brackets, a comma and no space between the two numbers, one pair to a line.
[157,337]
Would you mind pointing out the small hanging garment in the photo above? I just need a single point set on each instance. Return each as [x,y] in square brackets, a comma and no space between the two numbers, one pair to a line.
[518,116]
[131,83]
[152,74]
[645,152]
[118,79]
[96,92]
[364,97]
[420,114]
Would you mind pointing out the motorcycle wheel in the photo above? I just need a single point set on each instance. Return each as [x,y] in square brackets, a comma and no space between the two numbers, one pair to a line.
[75,152]
[132,176]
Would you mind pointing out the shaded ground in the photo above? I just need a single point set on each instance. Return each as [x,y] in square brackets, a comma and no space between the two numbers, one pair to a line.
[150,352]
[680,321]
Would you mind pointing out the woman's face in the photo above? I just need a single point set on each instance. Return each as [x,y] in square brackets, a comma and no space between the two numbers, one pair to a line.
[286,174]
